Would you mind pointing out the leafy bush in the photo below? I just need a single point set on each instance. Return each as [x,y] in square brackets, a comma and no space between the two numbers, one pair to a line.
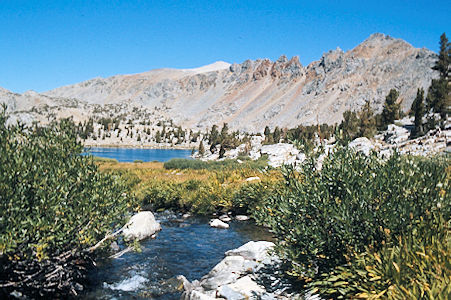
[200,197]
[325,219]
[416,266]
[248,198]
[54,204]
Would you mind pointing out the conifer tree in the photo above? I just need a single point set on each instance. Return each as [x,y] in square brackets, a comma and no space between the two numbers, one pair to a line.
[214,136]
[367,121]
[444,59]
[439,99]
[418,109]
[201,149]
[391,109]
[221,151]
[276,134]
[267,132]
[224,132]
[350,125]
[158,137]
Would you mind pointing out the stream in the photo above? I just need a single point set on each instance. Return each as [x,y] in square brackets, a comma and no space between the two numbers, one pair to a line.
[188,247]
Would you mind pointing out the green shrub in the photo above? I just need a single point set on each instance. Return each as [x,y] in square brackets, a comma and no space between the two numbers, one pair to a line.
[416,266]
[200,197]
[104,159]
[248,198]
[324,219]
[54,204]
[226,164]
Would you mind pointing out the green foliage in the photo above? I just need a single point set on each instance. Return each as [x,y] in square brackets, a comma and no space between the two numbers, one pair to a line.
[439,93]
[104,159]
[416,266]
[367,126]
[418,109]
[324,219]
[276,135]
[214,136]
[444,57]
[248,198]
[52,199]
[227,164]
[391,110]
[221,151]
[350,125]
[197,196]
[267,133]
[303,137]
[201,149]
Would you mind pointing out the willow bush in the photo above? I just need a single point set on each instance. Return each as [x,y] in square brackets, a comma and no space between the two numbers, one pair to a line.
[356,204]
[54,204]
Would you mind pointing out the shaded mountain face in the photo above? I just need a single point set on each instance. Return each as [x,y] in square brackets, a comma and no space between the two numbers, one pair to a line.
[253,94]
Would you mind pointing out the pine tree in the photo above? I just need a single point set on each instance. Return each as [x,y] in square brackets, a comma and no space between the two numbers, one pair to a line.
[214,136]
[158,137]
[391,109]
[444,59]
[276,134]
[201,149]
[367,121]
[267,133]
[439,98]
[350,125]
[221,152]
[224,132]
[418,108]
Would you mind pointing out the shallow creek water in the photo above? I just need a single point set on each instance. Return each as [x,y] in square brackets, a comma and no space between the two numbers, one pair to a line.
[188,247]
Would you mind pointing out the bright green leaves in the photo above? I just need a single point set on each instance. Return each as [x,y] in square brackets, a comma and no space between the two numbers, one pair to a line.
[52,199]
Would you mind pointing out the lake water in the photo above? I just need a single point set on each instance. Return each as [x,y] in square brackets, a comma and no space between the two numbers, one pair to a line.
[132,154]
[188,247]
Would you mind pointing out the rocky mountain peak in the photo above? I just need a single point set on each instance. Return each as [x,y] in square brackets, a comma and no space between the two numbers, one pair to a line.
[258,93]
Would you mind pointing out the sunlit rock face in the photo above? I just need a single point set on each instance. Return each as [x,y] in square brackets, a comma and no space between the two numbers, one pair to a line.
[253,94]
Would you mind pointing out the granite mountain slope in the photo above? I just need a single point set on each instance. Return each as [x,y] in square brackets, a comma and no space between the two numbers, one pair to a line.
[256,93]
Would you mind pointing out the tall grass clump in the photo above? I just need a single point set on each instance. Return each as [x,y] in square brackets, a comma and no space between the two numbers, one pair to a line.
[359,210]
[54,205]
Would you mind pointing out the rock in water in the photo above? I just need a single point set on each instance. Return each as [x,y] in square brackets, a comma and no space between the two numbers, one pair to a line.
[241,218]
[225,218]
[252,250]
[237,276]
[141,226]
[218,224]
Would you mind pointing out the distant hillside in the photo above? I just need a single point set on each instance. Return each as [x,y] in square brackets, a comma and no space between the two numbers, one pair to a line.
[253,94]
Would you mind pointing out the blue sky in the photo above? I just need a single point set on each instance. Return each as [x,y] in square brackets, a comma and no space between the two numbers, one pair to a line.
[46,44]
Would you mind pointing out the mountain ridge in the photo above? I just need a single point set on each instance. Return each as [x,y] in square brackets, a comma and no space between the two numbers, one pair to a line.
[261,92]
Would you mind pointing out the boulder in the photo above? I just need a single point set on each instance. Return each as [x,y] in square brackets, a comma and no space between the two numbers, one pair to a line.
[280,154]
[245,286]
[241,218]
[225,218]
[252,250]
[396,134]
[227,293]
[196,295]
[362,144]
[248,272]
[142,225]
[218,224]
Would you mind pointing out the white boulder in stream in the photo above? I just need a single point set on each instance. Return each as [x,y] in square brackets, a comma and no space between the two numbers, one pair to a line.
[218,224]
[142,225]
[238,275]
